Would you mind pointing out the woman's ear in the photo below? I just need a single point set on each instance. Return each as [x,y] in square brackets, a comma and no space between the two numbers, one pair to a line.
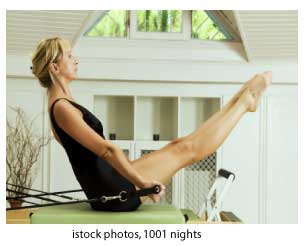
[53,68]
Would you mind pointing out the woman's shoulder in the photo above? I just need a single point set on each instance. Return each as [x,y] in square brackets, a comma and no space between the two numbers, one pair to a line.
[62,107]
[59,100]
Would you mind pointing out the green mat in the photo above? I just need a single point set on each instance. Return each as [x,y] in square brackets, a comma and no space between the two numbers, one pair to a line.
[83,214]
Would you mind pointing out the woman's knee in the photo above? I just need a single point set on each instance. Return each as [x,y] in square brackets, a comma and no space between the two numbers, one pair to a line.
[184,147]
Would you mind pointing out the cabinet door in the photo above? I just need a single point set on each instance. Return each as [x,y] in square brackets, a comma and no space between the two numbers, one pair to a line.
[282,160]
[240,154]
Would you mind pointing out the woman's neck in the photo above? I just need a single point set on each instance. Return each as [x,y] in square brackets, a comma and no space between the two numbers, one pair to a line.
[57,90]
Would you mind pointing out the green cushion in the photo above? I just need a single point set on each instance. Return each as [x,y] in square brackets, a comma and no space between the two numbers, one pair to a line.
[191,217]
[83,214]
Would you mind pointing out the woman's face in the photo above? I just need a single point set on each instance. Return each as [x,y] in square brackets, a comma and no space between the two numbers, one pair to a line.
[68,66]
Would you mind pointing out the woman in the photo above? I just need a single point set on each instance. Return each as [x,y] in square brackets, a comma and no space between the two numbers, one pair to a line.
[99,165]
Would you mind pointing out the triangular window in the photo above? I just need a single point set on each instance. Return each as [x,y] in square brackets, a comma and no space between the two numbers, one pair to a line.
[206,26]
[161,24]
[112,23]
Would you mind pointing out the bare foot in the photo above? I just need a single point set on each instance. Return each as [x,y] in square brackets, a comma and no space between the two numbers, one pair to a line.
[239,93]
[260,82]
[248,99]
[252,90]
[257,85]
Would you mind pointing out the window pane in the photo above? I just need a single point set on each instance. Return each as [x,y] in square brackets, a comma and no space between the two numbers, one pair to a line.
[113,24]
[203,27]
[159,20]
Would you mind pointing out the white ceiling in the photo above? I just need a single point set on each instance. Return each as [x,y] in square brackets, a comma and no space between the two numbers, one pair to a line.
[269,34]
[24,29]
[265,34]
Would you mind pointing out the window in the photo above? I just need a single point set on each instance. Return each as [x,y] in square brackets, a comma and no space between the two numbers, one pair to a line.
[159,20]
[111,24]
[205,27]
[160,24]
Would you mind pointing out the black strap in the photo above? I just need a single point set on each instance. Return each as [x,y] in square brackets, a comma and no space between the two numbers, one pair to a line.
[143,192]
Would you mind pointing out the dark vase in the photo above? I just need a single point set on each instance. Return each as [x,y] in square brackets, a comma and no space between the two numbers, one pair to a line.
[15,203]
[112,136]
[155,137]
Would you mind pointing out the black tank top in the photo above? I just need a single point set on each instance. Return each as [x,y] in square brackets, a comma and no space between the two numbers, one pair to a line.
[95,175]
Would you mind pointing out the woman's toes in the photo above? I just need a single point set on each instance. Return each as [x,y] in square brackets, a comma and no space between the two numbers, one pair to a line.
[268,77]
[260,82]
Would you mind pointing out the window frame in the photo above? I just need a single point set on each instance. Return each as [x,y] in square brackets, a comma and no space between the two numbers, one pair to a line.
[185,35]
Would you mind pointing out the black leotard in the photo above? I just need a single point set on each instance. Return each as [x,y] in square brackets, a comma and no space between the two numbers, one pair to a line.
[95,175]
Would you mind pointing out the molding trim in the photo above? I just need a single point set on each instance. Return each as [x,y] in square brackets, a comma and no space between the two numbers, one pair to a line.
[149,69]
[243,35]
[263,149]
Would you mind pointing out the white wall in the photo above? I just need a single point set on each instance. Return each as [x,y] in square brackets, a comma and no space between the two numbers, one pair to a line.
[262,151]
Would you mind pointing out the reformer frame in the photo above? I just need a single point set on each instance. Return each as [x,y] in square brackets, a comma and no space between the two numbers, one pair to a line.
[212,212]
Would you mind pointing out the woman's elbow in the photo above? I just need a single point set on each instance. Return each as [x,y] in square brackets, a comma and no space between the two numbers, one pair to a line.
[107,150]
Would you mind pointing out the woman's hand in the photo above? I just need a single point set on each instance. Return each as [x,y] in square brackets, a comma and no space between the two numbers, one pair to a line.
[150,184]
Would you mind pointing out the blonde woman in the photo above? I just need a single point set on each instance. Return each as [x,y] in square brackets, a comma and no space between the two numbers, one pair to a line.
[99,165]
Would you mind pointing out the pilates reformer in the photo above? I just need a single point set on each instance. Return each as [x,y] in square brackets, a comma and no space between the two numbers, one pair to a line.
[122,196]
[211,212]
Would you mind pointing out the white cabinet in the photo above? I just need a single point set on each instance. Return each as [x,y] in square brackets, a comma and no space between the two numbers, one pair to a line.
[135,121]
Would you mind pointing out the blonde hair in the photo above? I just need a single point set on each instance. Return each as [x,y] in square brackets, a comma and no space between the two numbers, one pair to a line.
[48,51]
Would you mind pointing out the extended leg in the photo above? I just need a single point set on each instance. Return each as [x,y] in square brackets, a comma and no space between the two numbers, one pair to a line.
[162,164]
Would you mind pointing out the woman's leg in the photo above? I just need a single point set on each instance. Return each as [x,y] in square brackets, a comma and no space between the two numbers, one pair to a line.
[162,164]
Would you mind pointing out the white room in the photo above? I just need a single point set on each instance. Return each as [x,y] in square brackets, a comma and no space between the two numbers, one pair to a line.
[152,77]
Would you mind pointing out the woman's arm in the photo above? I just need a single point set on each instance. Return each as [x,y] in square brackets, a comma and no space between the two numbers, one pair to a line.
[70,120]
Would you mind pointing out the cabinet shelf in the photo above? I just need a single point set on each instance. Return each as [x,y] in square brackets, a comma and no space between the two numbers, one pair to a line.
[156,115]
[116,114]
[140,117]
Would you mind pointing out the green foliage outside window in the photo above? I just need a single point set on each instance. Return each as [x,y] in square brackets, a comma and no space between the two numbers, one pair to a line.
[114,24]
[159,20]
[204,28]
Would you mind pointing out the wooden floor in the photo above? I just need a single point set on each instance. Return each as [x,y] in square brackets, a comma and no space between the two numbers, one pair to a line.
[19,216]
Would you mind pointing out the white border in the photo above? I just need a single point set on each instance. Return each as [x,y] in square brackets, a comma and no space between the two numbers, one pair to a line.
[238,235]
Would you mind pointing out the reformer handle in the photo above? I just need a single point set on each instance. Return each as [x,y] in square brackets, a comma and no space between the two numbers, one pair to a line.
[156,189]
[148,191]
[225,174]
